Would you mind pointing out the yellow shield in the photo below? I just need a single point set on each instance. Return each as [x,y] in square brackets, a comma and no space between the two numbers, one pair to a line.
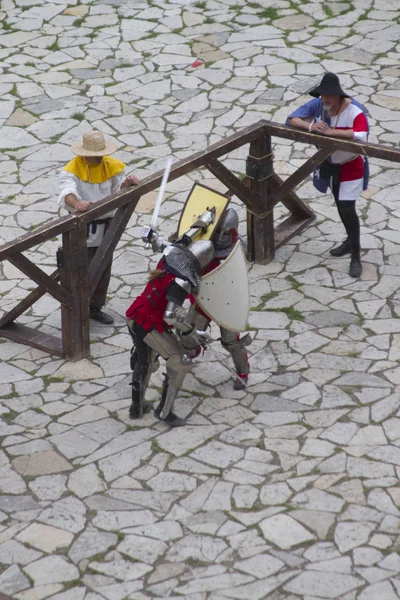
[200,199]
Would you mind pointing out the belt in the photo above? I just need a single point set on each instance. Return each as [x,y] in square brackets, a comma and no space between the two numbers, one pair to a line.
[93,224]
[100,221]
[346,161]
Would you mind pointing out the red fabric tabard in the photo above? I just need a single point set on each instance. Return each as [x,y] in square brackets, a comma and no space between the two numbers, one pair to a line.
[148,308]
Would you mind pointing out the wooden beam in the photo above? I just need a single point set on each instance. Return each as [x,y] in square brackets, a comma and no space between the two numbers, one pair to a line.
[292,202]
[33,272]
[302,172]
[234,184]
[104,253]
[38,236]
[300,135]
[27,302]
[32,337]
[186,165]
[150,183]
[289,228]
[49,230]
[245,180]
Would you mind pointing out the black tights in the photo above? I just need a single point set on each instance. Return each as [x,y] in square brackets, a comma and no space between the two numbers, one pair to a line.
[351,222]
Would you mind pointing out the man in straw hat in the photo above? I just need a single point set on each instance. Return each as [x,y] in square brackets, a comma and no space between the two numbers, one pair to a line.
[334,113]
[90,177]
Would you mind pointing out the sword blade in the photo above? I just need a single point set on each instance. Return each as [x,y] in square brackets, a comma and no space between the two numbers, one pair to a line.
[161,191]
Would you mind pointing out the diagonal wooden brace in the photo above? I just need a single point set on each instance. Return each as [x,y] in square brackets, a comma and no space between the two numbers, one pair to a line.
[302,172]
[40,277]
[234,184]
[111,238]
[27,302]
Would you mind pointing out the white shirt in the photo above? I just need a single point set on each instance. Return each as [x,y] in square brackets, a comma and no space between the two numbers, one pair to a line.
[90,192]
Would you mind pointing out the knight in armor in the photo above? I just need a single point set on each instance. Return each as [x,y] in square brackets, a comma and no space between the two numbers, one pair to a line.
[224,239]
[157,324]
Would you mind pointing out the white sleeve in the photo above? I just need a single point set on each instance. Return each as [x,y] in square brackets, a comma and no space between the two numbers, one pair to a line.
[68,184]
[116,182]
[360,136]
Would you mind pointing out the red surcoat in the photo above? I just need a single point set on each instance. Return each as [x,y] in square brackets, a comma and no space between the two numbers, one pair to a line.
[148,309]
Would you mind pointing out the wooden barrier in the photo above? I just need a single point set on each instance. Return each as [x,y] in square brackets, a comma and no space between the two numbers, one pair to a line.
[73,282]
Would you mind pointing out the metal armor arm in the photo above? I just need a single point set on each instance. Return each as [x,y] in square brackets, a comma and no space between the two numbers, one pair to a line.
[174,315]
[198,228]
[158,242]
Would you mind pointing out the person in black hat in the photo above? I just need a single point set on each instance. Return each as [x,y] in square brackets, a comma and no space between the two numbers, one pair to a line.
[334,113]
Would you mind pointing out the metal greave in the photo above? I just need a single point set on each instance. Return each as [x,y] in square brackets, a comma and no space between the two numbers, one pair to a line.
[236,347]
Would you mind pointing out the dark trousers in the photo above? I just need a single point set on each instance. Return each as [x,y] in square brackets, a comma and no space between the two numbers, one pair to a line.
[100,294]
[346,208]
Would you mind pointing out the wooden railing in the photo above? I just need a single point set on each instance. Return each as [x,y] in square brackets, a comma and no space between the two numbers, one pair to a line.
[73,282]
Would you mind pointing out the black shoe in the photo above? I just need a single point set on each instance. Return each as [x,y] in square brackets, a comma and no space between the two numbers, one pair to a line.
[355,266]
[172,419]
[101,317]
[344,248]
[134,410]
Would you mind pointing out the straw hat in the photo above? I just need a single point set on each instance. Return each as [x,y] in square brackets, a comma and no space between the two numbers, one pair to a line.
[94,144]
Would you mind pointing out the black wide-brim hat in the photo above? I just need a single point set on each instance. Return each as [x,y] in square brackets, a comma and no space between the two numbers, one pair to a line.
[330,84]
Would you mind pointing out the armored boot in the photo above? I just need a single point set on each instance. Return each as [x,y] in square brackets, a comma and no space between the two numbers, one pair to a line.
[171,419]
[143,364]
[241,381]
[236,347]
[137,409]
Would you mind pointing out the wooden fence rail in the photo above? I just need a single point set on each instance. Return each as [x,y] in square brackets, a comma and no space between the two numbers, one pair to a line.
[73,282]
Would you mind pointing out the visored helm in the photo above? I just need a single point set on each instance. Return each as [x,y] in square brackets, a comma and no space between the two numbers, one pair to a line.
[226,233]
[203,250]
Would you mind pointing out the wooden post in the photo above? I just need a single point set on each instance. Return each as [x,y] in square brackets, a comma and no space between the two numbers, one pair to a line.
[73,265]
[260,230]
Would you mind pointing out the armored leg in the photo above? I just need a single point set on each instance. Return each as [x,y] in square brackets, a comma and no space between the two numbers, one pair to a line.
[178,364]
[177,367]
[143,363]
[236,347]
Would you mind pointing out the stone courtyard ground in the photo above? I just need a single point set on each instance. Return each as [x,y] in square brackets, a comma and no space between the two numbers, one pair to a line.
[288,490]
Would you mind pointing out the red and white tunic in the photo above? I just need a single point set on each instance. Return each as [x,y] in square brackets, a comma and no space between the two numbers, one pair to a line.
[351,165]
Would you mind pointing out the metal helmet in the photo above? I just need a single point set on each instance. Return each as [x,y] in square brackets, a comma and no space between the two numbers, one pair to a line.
[203,250]
[226,234]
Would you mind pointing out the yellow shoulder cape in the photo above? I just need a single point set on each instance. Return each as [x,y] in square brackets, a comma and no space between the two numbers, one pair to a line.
[85,171]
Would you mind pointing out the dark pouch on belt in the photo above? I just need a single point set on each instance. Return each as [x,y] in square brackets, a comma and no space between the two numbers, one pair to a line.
[328,170]
[93,225]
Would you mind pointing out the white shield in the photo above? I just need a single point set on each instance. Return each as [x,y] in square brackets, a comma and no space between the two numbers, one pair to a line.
[224,293]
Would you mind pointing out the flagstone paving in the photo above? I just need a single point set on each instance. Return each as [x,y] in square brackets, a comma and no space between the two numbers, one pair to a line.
[288,490]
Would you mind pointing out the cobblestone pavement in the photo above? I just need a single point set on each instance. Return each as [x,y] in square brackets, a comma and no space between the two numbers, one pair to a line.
[288,490]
